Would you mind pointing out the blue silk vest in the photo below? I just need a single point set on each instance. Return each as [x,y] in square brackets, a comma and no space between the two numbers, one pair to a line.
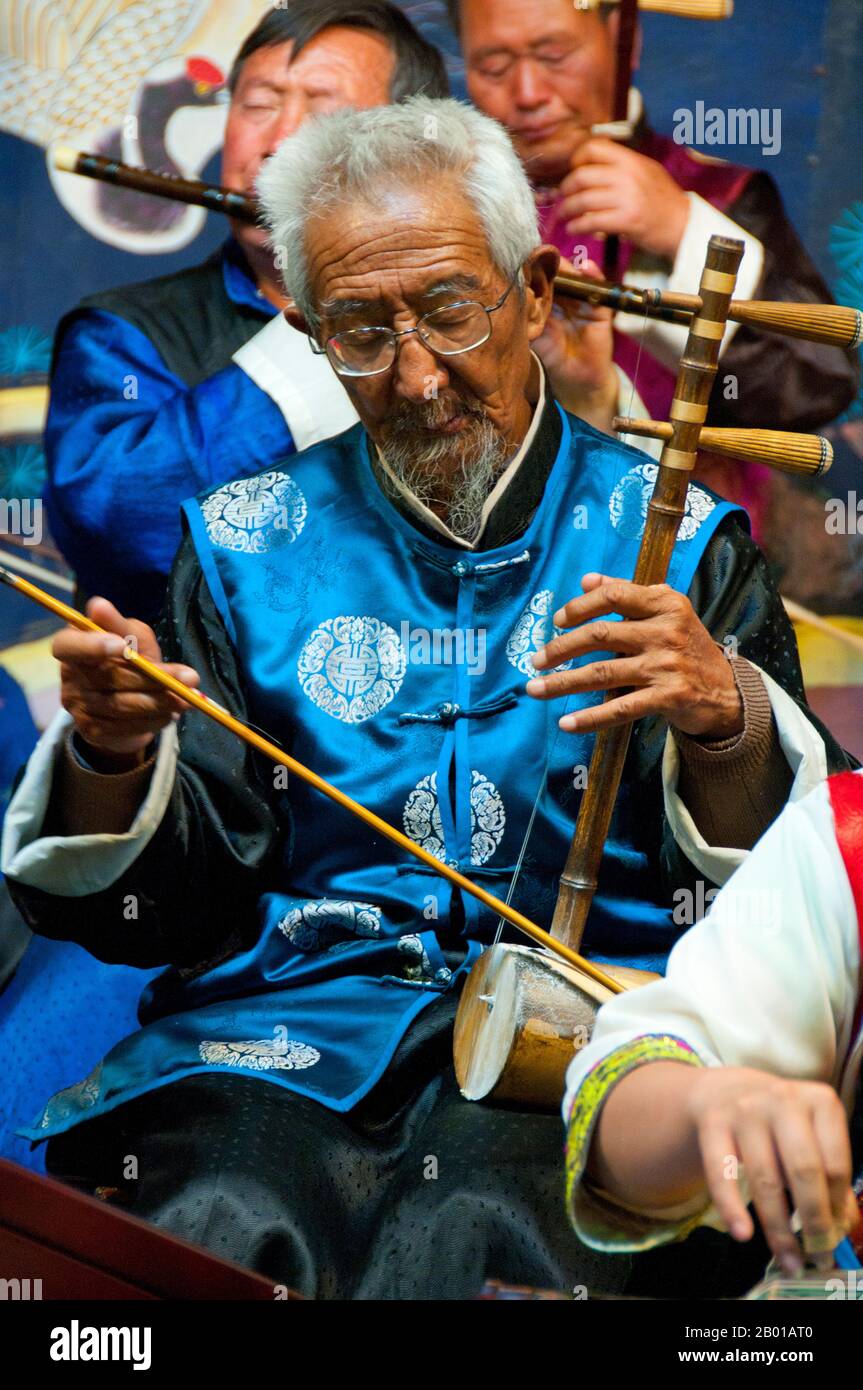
[395,666]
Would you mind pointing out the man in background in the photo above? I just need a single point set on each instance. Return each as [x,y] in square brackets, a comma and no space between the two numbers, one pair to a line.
[163,388]
[546,70]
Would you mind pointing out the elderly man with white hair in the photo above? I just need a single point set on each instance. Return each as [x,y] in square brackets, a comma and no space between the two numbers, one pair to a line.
[385,604]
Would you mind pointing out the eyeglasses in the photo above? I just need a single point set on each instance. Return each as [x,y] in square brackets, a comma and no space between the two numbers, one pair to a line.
[446,332]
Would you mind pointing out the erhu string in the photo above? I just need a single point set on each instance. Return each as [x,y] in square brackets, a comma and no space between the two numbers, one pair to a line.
[550,746]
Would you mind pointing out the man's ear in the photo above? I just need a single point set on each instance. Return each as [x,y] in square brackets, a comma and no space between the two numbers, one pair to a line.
[540,269]
[296,320]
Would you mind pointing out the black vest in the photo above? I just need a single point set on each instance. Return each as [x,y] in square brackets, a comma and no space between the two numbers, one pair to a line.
[187,316]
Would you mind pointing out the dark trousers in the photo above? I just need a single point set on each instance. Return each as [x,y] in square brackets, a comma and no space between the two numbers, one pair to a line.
[414,1194]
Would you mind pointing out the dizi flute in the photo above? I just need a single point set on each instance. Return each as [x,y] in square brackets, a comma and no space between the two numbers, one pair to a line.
[180,190]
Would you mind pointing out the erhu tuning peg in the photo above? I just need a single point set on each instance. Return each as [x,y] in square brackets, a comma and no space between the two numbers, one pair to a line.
[807,454]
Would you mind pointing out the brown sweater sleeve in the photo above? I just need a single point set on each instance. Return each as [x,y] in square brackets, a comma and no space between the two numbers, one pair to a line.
[736,787]
[94,803]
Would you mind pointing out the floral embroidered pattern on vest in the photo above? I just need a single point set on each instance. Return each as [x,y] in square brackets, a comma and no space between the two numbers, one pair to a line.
[352,667]
[532,632]
[260,1055]
[255,514]
[628,505]
[422,819]
[316,926]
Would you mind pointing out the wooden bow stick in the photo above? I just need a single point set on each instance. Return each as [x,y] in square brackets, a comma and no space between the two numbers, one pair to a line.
[798,614]
[620,127]
[277,755]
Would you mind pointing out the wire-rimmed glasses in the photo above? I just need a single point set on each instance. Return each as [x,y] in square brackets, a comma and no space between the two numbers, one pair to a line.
[448,331]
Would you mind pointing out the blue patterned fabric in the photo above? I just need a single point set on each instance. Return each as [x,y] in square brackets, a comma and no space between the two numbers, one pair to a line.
[334,603]
[60,1013]
[18,736]
[62,1008]
[127,441]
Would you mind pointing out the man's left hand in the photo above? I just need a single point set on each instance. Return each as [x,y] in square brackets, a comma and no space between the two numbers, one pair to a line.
[576,348]
[668,664]
[614,191]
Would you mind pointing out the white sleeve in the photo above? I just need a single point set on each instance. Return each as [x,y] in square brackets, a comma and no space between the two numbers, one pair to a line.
[302,383]
[629,403]
[666,341]
[75,866]
[804,749]
[769,979]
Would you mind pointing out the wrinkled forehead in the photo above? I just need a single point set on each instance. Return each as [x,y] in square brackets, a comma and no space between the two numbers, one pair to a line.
[337,57]
[522,24]
[396,241]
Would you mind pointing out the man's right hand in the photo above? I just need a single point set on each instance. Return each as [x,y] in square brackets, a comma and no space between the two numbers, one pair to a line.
[117,710]
[612,190]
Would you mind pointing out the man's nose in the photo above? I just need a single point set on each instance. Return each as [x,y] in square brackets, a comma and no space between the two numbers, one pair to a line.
[529,88]
[417,374]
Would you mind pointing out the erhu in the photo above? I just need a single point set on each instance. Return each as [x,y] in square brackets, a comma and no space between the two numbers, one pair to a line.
[521,1014]
[270,750]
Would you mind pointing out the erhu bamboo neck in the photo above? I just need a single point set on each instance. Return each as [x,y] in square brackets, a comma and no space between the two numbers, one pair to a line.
[665,511]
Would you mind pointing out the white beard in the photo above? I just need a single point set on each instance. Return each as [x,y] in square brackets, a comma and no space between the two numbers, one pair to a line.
[457,470]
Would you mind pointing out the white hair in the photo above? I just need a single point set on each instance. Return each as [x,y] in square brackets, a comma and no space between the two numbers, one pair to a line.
[348,153]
